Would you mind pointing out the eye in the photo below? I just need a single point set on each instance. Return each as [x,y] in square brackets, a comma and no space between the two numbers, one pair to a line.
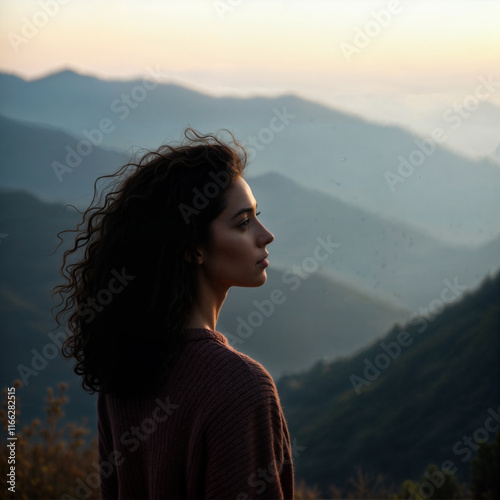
[245,223]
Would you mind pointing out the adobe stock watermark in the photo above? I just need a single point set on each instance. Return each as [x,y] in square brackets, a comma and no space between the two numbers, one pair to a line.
[453,116]
[393,349]
[31,27]
[122,107]
[465,447]
[265,136]
[201,199]
[40,359]
[224,6]
[372,29]
[265,476]
[104,297]
[292,277]
[131,440]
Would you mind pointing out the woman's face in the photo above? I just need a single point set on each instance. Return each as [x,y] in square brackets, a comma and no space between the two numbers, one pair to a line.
[236,254]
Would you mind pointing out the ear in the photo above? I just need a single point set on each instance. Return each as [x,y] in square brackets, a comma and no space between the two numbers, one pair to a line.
[198,258]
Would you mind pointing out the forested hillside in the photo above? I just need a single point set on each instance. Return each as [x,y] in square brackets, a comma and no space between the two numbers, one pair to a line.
[416,397]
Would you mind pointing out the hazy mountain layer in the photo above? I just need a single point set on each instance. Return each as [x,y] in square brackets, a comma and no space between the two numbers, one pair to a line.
[377,255]
[36,158]
[383,169]
[380,256]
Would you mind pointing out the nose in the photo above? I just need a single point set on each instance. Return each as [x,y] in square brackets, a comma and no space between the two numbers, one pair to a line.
[266,237]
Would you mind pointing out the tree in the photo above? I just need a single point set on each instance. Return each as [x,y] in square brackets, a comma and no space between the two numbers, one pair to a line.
[485,467]
[435,484]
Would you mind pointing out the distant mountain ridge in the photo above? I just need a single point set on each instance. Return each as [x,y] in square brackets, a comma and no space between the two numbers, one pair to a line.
[380,256]
[376,255]
[29,155]
[450,196]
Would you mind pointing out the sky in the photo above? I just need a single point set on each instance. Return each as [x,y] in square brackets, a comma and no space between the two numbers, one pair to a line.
[396,60]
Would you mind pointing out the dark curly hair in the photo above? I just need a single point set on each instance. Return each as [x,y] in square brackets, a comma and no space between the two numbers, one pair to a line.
[130,275]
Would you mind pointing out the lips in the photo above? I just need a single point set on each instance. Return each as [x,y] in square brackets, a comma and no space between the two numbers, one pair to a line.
[263,262]
[263,258]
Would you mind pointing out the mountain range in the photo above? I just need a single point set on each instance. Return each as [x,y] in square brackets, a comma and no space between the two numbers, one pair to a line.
[381,256]
[384,169]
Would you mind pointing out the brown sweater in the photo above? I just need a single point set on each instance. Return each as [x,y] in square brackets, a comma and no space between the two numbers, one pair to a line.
[216,432]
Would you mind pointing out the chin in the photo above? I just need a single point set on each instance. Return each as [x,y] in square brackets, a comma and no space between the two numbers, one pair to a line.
[254,283]
[262,279]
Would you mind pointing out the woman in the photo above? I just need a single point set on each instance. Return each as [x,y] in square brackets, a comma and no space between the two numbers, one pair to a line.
[181,414]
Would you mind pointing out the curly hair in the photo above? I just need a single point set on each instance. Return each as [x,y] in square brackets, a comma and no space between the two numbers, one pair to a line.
[130,275]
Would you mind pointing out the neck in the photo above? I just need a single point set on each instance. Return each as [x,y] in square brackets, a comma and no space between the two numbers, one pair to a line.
[206,307]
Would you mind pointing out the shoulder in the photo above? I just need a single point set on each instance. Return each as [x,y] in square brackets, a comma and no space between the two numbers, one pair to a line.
[229,371]
[249,373]
[240,402]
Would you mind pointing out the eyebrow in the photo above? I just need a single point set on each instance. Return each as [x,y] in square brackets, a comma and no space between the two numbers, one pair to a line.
[243,210]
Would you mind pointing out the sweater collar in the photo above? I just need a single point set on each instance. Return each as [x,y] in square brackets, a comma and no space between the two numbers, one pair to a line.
[203,333]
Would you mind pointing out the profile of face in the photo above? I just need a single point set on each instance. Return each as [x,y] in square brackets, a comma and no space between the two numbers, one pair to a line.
[236,254]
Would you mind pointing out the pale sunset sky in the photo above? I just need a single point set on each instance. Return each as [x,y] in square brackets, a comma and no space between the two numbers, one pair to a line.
[416,55]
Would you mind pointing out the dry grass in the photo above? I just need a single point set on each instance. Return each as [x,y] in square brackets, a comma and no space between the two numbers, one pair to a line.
[51,459]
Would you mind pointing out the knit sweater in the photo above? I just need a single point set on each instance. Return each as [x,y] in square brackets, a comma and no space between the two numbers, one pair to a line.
[216,431]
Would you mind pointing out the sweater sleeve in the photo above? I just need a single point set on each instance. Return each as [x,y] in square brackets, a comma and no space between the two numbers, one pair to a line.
[249,453]
[107,457]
